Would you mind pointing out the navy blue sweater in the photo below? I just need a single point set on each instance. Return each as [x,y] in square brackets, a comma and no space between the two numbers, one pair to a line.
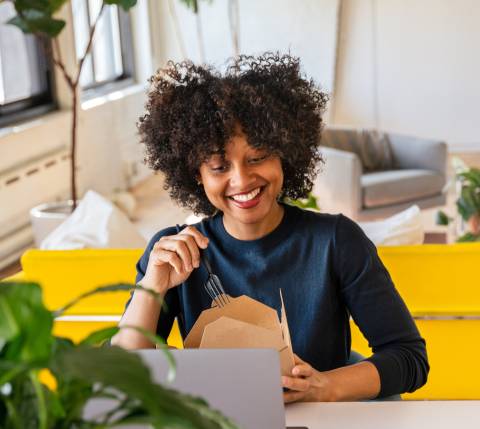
[328,270]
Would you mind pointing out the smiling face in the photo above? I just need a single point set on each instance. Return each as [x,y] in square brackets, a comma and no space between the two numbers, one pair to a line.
[244,184]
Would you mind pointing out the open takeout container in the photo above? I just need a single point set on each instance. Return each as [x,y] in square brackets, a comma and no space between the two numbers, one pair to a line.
[243,323]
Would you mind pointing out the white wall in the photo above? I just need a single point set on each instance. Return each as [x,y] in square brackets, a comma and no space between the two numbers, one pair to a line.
[426,57]
[307,29]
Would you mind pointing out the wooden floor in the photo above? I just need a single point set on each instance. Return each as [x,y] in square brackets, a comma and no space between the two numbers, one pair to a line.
[10,270]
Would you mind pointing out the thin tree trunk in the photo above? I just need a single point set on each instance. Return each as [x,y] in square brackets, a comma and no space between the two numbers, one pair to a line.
[73,84]
[74,88]
[73,149]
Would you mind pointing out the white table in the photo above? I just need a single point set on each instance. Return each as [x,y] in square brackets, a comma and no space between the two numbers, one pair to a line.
[386,415]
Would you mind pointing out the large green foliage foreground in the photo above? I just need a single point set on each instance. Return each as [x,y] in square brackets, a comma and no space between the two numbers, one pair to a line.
[82,371]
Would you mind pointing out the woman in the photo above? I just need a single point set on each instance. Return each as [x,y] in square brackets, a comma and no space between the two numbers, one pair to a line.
[232,147]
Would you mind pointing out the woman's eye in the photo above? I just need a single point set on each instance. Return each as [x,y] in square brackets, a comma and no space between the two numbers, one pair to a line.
[218,168]
[258,159]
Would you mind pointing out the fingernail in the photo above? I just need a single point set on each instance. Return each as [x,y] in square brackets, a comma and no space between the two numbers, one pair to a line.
[196,264]
[295,371]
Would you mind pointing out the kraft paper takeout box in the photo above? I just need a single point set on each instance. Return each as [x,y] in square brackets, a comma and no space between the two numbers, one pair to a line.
[243,323]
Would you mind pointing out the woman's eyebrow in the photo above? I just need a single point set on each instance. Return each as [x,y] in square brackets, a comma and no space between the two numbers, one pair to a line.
[215,156]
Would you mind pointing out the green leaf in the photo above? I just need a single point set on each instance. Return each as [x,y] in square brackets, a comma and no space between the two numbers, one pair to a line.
[105,289]
[8,324]
[39,5]
[100,336]
[9,370]
[191,4]
[468,204]
[442,218]
[22,413]
[46,7]
[104,334]
[55,5]
[100,289]
[124,4]
[32,342]
[471,176]
[468,238]
[304,203]
[34,21]
[20,23]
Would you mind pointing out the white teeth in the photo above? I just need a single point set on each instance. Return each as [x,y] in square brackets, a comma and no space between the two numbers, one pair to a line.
[246,197]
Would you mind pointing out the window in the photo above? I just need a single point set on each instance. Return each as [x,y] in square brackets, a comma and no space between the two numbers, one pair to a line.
[111,58]
[25,88]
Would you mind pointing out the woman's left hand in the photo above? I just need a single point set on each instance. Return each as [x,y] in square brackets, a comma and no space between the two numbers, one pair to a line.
[306,384]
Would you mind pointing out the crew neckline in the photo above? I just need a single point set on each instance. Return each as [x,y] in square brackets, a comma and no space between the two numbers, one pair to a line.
[271,238]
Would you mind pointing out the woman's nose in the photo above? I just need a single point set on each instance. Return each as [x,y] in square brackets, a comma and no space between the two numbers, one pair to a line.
[241,177]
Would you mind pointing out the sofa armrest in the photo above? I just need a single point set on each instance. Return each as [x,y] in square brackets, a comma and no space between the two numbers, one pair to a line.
[412,152]
[338,185]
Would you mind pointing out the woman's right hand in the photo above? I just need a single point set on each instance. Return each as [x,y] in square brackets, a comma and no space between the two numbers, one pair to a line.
[173,258]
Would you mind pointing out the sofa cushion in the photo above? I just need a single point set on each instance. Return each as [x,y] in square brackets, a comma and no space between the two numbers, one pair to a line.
[372,147]
[398,186]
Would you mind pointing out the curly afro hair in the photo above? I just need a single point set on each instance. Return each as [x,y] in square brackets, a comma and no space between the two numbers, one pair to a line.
[192,111]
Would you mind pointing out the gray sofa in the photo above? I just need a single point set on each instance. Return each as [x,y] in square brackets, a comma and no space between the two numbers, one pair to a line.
[369,175]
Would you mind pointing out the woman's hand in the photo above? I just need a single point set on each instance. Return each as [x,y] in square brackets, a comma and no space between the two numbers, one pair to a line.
[173,258]
[306,384]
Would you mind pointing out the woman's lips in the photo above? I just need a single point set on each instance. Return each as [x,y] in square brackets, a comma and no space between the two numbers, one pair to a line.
[250,203]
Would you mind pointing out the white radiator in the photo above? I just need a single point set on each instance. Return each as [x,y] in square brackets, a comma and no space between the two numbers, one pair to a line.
[22,187]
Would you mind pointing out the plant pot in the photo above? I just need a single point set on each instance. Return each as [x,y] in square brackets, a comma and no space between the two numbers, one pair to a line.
[46,217]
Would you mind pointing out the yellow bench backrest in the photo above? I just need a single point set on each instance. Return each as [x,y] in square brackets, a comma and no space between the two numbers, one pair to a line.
[65,274]
[436,279]
[439,283]
[432,279]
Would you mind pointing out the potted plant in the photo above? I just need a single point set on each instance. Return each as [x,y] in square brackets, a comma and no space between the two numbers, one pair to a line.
[468,203]
[30,355]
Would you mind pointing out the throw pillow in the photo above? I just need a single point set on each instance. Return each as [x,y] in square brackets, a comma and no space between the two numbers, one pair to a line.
[372,147]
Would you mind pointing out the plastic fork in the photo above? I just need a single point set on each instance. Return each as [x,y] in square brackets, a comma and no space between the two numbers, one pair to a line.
[213,285]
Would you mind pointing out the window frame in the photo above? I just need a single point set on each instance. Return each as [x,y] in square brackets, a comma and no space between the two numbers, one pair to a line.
[128,77]
[36,105]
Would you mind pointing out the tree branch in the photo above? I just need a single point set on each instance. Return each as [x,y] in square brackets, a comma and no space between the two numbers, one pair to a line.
[49,52]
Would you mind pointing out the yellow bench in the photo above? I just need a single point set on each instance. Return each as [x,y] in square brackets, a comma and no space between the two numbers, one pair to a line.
[438,282]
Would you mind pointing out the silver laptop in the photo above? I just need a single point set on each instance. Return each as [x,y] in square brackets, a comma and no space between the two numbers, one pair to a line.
[244,384]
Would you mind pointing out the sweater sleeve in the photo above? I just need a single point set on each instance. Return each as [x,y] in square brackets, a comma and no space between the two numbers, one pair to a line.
[171,306]
[399,352]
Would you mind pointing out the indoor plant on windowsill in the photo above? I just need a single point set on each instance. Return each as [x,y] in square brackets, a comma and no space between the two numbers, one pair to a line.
[46,381]
[467,181]
[38,18]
